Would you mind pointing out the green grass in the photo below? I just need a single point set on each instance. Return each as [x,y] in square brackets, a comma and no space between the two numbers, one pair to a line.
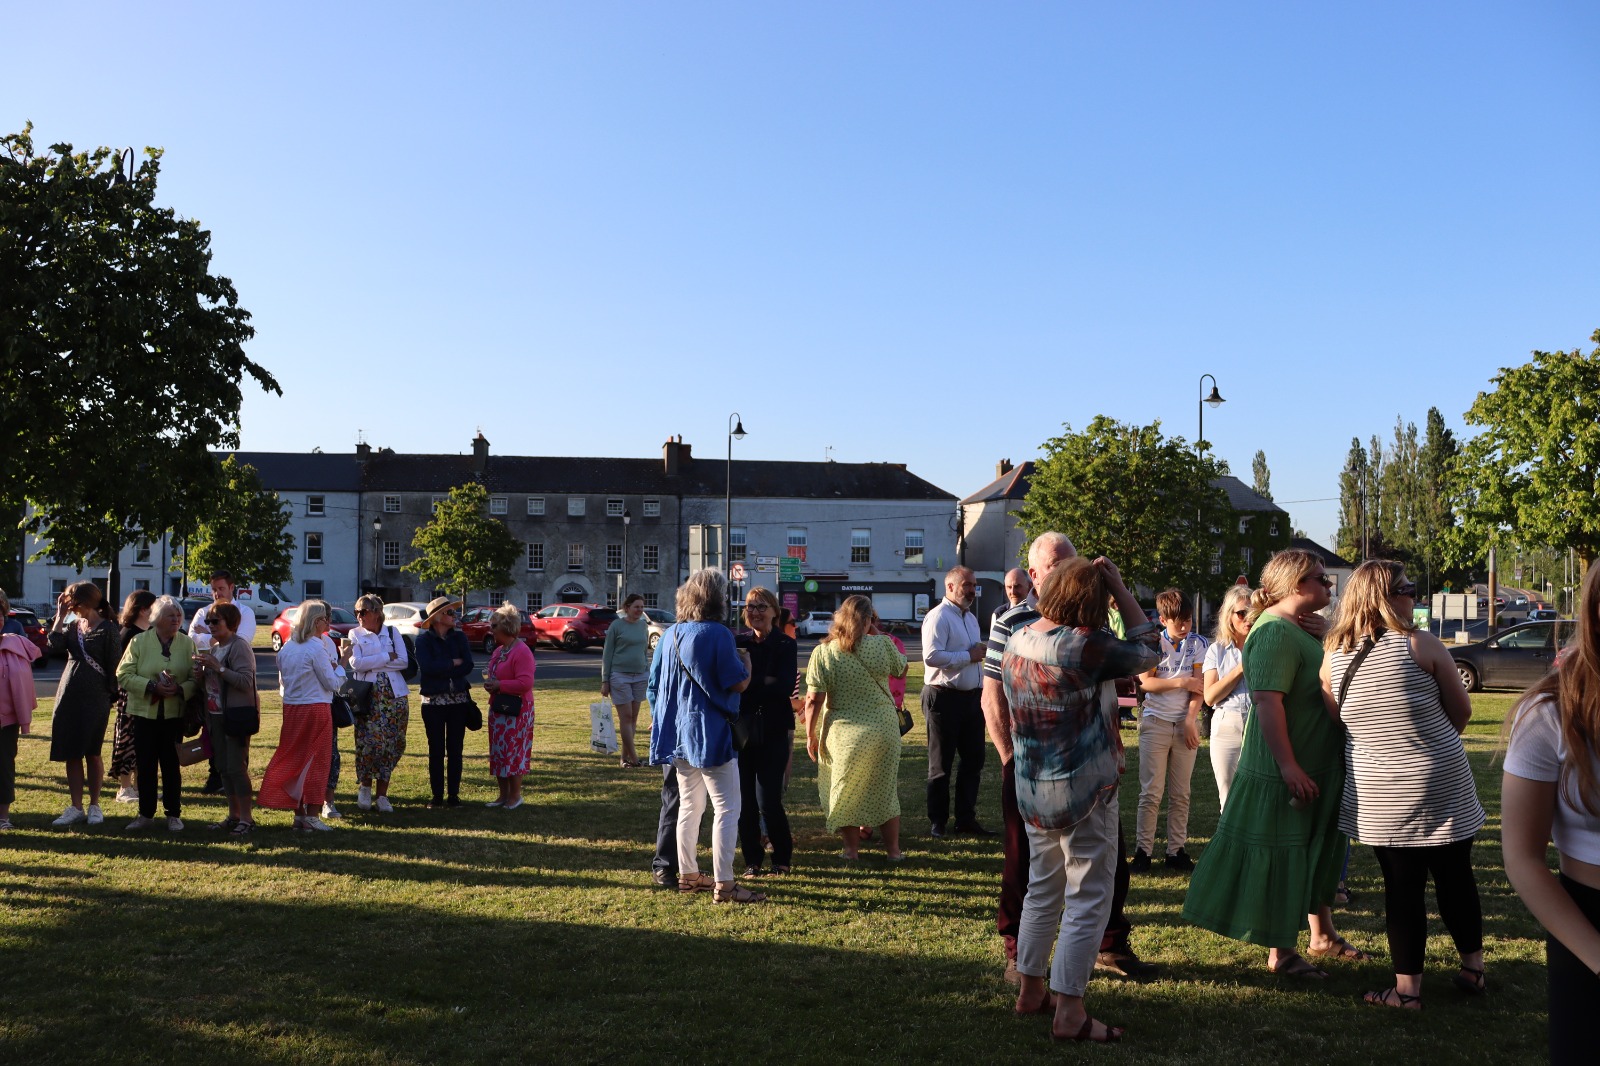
[487,936]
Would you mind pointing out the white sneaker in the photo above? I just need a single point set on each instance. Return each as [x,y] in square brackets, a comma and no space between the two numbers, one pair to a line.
[311,821]
[174,825]
[70,816]
[127,794]
[330,811]
[492,803]
[384,806]
[141,823]
[514,804]
[95,817]
[364,797]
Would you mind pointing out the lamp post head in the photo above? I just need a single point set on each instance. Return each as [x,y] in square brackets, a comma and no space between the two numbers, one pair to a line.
[627,516]
[377,525]
[1215,398]
[738,430]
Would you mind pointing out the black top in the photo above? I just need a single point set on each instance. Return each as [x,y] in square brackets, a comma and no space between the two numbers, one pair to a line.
[436,673]
[772,676]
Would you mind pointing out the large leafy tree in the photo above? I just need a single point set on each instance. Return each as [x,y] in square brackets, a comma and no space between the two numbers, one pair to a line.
[121,354]
[1262,475]
[461,546]
[246,533]
[1532,473]
[1144,500]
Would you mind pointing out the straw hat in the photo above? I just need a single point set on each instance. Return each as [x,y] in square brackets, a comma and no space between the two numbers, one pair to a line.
[435,605]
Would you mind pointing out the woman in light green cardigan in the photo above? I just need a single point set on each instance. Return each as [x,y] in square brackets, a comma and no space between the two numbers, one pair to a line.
[157,672]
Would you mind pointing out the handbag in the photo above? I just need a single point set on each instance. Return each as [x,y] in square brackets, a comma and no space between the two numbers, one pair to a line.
[339,709]
[506,703]
[358,695]
[196,750]
[747,729]
[474,716]
[242,721]
[901,715]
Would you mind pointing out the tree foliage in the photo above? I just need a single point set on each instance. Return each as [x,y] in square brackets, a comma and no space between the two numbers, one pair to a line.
[121,354]
[1532,473]
[461,546]
[1261,475]
[1141,499]
[246,532]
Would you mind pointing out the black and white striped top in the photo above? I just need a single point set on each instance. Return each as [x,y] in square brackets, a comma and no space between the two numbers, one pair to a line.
[1406,777]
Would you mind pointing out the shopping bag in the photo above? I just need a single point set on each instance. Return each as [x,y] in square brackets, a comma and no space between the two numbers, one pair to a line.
[602,731]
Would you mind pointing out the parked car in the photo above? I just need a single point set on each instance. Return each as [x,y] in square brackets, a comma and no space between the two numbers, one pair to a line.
[658,621]
[404,616]
[1513,658]
[573,626]
[475,624]
[32,628]
[1543,614]
[814,624]
[340,625]
[192,604]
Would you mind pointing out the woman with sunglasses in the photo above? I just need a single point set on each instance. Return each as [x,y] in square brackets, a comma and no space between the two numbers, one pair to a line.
[1274,864]
[376,653]
[1408,789]
[1226,693]
[763,765]
[444,662]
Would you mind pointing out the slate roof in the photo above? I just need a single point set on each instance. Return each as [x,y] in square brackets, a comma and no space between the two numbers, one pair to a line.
[1328,558]
[1242,497]
[1013,485]
[303,471]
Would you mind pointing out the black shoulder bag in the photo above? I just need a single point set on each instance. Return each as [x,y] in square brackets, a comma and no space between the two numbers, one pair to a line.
[748,729]
[1355,663]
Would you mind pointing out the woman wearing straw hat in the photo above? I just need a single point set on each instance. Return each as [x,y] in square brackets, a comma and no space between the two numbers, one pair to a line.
[444,659]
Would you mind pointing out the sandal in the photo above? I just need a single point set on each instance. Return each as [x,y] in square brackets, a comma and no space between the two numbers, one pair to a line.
[242,829]
[1342,896]
[1341,949]
[1392,997]
[1299,966]
[695,883]
[5,823]
[1475,985]
[1112,1034]
[736,894]
[227,824]
[753,871]
[1047,1005]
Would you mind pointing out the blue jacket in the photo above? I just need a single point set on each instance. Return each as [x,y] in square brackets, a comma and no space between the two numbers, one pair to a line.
[690,701]
[436,674]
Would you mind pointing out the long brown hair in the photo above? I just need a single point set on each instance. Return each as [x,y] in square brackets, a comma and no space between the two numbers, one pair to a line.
[1365,608]
[851,622]
[1575,686]
[1280,577]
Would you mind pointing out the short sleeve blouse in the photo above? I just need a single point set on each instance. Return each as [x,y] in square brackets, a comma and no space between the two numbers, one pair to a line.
[1223,658]
[1536,752]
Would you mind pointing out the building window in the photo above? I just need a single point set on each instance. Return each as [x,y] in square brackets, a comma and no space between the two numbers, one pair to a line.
[614,558]
[574,556]
[1244,526]
[797,543]
[434,502]
[1245,554]
[535,555]
[391,555]
[860,547]
[914,555]
[497,505]
[316,506]
[736,544]
[58,585]
[1216,560]
[611,598]
[141,552]
[1272,530]
[313,547]
[576,506]
[535,601]
[652,599]
[391,505]
[536,505]
[652,558]
[313,590]
[143,584]
[652,508]
[614,508]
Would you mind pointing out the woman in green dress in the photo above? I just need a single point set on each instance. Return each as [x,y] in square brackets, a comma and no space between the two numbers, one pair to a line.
[1274,863]
[852,731]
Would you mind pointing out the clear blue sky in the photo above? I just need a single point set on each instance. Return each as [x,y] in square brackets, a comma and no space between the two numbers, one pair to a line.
[914,232]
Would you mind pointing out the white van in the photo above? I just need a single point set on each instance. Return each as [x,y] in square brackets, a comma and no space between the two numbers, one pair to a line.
[266,602]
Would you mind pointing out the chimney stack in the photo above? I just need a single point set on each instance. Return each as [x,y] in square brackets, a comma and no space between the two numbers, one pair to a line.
[480,453]
[363,451]
[1002,468]
[675,456]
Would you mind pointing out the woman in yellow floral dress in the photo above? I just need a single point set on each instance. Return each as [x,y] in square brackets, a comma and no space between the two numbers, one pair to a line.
[852,731]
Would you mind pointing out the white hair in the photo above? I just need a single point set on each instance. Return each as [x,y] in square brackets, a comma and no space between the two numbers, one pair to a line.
[1047,543]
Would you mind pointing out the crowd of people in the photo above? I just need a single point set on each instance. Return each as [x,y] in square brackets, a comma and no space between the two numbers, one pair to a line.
[1322,732]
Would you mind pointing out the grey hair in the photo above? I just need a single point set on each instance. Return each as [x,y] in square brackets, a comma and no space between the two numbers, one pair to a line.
[1048,543]
[305,623]
[704,597]
[161,604]
[506,619]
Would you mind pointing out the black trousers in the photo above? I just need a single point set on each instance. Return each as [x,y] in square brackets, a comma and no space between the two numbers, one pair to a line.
[761,795]
[446,727]
[1405,880]
[955,728]
[8,763]
[155,744]
[1118,927]
[1574,988]
[667,826]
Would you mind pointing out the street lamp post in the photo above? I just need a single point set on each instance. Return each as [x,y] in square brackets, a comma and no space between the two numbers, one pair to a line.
[622,586]
[735,432]
[1215,400]
[377,553]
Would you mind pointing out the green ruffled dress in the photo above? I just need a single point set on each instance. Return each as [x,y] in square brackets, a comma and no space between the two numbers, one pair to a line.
[1269,864]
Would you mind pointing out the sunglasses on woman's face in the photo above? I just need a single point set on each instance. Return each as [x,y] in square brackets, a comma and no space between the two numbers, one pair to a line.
[1322,579]
[1241,614]
[1405,588]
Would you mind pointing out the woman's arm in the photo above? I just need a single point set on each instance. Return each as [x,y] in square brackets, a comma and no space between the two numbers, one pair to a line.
[1219,685]
[1275,731]
[368,652]
[240,670]
[128,675]
[464,653]
[1430,654]
[816,702]
[1329,701]
[608,655]
[1527,809]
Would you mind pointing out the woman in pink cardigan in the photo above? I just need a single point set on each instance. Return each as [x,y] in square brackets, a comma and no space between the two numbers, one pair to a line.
[16,713]
[509,673]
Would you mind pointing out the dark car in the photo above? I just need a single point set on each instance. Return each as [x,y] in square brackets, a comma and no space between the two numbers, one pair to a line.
[1513,658]
[475,624]
[573,626]
[340,624]
[32,628]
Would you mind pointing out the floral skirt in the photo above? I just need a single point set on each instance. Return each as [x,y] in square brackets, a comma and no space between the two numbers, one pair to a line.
[510,743]
[381,735]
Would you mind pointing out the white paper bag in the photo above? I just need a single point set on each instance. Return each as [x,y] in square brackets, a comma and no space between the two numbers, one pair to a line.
[602,731]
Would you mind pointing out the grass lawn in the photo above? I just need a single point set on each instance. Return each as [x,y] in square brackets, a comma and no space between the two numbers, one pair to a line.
[486,936]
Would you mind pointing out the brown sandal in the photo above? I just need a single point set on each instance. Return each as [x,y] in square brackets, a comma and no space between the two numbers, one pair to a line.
[1341,949]
[695,883]
[1112,1034]
[736,894]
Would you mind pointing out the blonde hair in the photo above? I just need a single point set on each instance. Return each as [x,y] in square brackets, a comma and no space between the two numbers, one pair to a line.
[305,623]
[1280,578]
[1575,686]
[1365,608]
[506,619]
[1231,601]
[851,622]
[766,596]
[369,602]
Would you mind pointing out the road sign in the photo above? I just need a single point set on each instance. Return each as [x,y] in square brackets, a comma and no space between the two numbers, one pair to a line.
[736,573]
[766,560]
[766,569]
[789,569]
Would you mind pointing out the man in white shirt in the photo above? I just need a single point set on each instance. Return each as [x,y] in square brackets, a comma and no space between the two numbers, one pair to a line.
[952,651]
[222,590]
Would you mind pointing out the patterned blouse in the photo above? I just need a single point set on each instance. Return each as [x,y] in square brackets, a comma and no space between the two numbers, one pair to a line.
[1068,748]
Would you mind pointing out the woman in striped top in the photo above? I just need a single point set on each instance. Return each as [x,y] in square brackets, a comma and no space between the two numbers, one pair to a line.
[1408,789]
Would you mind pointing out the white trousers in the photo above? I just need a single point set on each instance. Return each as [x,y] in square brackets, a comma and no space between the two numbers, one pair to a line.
[1070,875]
[721,783]
[1227,741]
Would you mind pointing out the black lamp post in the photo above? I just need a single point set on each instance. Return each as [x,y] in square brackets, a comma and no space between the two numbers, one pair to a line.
[622,587]
[1215,400]
[735,432]
[377,549]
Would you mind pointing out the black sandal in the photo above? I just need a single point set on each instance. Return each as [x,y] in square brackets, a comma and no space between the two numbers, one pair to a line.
[1472,986]
[1387,998]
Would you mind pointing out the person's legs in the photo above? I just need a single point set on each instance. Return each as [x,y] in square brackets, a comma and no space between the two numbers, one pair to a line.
[1014,872]
[1115,939]
[1405,879]
[455,741]
[771,761]
[1227,741]
[1456,888]
[942,730]
[1089,850]
[664,867]
[628,728]
[750,810]
[1042,905]
[8,768]
[691,805]
[1155,738]
[972,746]
[334,764]
[1574,988]
[146,735]
[95,770]
[1180,770]
[722,785]
[891,837]
[170,731]
[75,783]
[433,725]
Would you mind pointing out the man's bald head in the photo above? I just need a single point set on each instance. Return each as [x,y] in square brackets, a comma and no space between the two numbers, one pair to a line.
[1018,585]
[1045,552]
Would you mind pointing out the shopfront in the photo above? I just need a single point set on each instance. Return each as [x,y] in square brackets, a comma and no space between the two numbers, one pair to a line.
[902,602]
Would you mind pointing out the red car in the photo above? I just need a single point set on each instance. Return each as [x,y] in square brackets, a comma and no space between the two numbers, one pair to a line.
[475,624]
[32,628]
[573,626]
[283,626]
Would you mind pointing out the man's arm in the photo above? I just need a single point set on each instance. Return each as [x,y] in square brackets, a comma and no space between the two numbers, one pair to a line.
[997,717]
